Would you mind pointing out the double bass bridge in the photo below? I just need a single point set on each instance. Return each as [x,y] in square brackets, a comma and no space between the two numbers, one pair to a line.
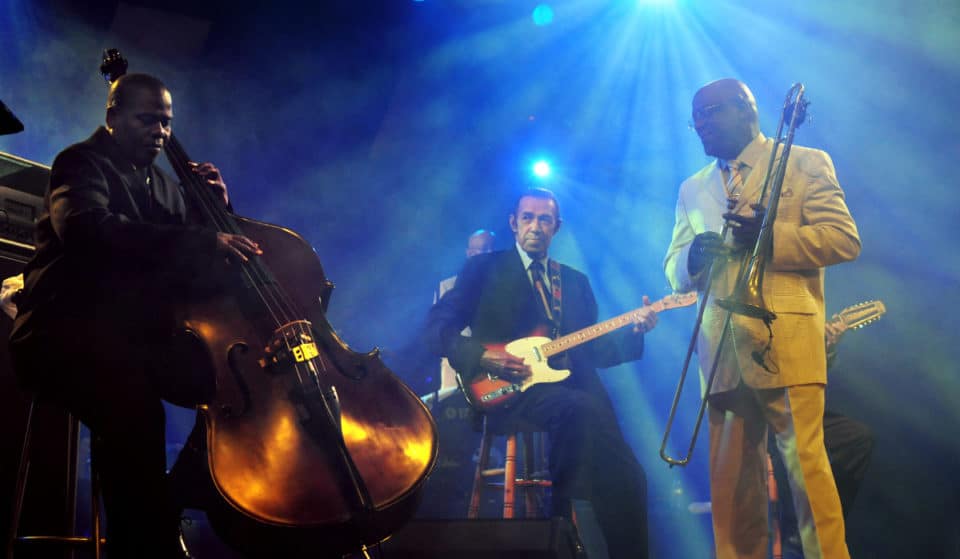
[292,344]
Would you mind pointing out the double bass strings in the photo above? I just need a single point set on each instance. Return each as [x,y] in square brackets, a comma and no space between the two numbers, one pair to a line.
[274,300]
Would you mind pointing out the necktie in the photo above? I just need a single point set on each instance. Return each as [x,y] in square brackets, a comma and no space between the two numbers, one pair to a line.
[734,183]
[540,284]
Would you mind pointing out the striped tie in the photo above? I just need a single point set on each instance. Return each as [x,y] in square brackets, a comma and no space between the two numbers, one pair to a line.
[536,270]
[734,183]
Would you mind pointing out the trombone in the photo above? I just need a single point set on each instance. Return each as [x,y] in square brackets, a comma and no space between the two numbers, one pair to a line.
[747,296]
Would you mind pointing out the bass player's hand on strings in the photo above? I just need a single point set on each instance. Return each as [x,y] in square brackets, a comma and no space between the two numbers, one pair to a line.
[237,247]
[211,175]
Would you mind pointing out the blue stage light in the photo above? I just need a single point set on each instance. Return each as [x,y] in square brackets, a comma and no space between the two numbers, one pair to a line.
[542,15]
[542,169]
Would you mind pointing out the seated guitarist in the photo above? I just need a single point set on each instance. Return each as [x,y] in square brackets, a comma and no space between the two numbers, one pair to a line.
[502,296]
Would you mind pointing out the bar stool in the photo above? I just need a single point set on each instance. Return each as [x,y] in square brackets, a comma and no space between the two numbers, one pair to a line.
[15,541]
[532,479]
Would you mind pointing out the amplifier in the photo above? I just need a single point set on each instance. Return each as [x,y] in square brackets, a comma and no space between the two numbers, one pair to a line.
[446,493]
[23,175]
[18,217]
[22,185]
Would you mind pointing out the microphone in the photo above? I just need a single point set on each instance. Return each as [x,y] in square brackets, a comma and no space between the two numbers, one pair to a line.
[9,123]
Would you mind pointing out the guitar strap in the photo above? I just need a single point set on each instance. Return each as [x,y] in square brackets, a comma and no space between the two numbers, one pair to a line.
[557,294]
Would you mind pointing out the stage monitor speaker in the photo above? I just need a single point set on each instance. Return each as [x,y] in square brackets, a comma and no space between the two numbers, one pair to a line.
[22,185]
[446,493]
[23,175]
[485,539]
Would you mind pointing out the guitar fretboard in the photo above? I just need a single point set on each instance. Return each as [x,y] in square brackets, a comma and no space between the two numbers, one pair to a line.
[579,337]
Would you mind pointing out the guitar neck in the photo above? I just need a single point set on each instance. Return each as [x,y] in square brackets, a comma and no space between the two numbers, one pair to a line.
[583,336]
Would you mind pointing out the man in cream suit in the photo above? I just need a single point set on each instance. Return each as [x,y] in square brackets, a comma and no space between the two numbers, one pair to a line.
[770,375]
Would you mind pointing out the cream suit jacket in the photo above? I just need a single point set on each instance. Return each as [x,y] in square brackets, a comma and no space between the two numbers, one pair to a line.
[813,229]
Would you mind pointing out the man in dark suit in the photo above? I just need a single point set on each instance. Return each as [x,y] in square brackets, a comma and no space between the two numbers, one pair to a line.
[116,244]
[503,296]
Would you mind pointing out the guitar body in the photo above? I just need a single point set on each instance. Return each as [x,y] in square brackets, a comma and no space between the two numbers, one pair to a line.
[487,391]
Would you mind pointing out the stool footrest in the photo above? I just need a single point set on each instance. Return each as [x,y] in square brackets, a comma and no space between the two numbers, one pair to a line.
[523,474]
[57,541]
[49,542]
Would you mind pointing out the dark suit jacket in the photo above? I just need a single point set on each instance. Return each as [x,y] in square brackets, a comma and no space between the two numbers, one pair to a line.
[110,243]
[114,253]
[494,297]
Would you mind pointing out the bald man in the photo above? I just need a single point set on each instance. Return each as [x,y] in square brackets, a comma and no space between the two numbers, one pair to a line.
[480,242]
[771,375]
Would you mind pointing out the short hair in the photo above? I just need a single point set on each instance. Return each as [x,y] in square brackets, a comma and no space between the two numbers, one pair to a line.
[537,192]
[121,89]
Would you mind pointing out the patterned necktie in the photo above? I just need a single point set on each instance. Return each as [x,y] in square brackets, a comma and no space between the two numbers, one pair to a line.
[734,182]
[540,284]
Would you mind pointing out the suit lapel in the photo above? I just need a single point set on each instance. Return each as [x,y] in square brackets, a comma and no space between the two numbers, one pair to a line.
[516,295]
[758,159]
[716,188]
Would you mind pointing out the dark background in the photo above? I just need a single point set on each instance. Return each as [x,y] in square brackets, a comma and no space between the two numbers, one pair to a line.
[386,131]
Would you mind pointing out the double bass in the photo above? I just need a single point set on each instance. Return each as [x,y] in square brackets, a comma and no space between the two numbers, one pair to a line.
[312,448]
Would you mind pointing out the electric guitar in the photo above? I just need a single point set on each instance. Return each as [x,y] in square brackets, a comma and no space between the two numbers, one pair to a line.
[487,391]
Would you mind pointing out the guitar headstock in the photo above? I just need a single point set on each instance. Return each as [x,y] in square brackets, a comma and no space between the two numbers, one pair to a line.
[861,314]
[677,300]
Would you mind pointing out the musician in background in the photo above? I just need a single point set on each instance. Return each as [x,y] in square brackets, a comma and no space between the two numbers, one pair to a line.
[479,242]
[770,376]
[116,245]
[506,295]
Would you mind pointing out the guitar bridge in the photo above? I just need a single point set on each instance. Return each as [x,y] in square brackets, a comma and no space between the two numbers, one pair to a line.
[500,392]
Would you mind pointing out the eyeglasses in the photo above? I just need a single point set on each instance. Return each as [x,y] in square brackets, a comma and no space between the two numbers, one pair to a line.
[705,113]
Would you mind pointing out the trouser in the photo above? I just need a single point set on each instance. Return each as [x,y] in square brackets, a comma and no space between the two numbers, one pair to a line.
[589,459]
[738,450]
